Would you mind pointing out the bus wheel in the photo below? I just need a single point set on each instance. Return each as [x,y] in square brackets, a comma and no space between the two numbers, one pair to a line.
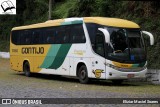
[117,82]
[83,74]
[26,69]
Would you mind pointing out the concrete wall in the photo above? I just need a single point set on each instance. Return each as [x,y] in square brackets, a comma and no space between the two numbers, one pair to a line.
[4,55]
[153,76]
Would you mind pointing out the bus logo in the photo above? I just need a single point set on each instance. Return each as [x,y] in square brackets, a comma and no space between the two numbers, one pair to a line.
[98,72]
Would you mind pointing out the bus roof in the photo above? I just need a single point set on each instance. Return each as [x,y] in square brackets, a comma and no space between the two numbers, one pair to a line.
[114,22]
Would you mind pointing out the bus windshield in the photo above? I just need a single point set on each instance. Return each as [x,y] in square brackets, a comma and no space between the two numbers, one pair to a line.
[126,45]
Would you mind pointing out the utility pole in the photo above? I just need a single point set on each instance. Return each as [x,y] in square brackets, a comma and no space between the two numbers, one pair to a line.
[50,9]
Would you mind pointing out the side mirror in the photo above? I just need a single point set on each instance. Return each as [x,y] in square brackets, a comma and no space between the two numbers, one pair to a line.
[106,34]
[150,36]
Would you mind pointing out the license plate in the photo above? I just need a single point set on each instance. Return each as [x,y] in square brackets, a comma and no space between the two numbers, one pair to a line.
[130,75]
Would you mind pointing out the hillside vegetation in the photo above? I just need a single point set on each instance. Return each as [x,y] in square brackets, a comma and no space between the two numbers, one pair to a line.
[145,13]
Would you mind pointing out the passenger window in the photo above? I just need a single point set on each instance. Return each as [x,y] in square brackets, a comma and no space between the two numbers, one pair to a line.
[91,27]
[49,36]
[36,37]
[15,37]
[77,34]
[67,34]
[59,36]
[99,43]
[25,37]
[28,36]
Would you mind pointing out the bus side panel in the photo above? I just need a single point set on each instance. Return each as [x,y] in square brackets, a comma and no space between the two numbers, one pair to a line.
[56,60]
[14,53]
[39,58]
[25,57]
[29,59]
[78,55]
[86,62]
[14,62]
[37,63]
[62,70]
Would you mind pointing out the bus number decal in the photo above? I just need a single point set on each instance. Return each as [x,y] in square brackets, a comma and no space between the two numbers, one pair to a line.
[14,50]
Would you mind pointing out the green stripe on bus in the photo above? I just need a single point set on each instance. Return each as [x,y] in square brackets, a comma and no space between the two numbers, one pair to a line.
[77,22]
[135,65]
[66,23]
[56,56]
[142,64]
[61,55]
[72,22]
[50,55]
[139,65]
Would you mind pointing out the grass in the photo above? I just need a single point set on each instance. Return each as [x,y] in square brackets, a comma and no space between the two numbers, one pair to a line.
[55,82]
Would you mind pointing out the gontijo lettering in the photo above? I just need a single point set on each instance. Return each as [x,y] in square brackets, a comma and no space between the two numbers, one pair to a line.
[32,50]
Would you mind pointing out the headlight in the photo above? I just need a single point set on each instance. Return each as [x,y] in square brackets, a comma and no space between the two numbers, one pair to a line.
[137,69]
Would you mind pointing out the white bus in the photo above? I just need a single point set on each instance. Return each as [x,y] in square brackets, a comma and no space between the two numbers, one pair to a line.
[88,47]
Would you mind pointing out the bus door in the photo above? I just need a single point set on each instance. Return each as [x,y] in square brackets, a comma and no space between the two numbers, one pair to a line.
[98,62]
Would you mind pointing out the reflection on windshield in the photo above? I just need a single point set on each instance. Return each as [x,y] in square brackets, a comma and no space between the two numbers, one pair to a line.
[126,45]
[134,38]
[118,40]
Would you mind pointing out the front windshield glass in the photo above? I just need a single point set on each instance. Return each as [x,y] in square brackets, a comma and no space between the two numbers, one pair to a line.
[134,38]
[118,39]
[126,45]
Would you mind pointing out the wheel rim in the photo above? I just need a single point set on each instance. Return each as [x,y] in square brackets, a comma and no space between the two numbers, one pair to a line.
[83,74]
[27,69]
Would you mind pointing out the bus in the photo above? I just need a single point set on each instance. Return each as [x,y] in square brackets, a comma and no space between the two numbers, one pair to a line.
[86,48]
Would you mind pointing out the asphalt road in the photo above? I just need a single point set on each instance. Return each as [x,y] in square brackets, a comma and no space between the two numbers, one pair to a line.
[16,85]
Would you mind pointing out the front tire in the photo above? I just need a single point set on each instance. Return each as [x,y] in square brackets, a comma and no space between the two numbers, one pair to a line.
[83,75]
[26,69]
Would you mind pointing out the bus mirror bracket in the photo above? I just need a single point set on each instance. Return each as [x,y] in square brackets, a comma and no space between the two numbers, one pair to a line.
[106,34]
[150,36]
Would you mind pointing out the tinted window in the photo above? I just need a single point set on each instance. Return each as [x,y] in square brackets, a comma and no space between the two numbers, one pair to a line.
[77,34]
[99,48]
[66,37]
[26,37]
[15,37]
[50,35]
[92,28]
[37,36]
[59,35]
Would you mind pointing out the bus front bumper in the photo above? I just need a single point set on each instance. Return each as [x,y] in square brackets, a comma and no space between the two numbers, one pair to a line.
[115,74]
